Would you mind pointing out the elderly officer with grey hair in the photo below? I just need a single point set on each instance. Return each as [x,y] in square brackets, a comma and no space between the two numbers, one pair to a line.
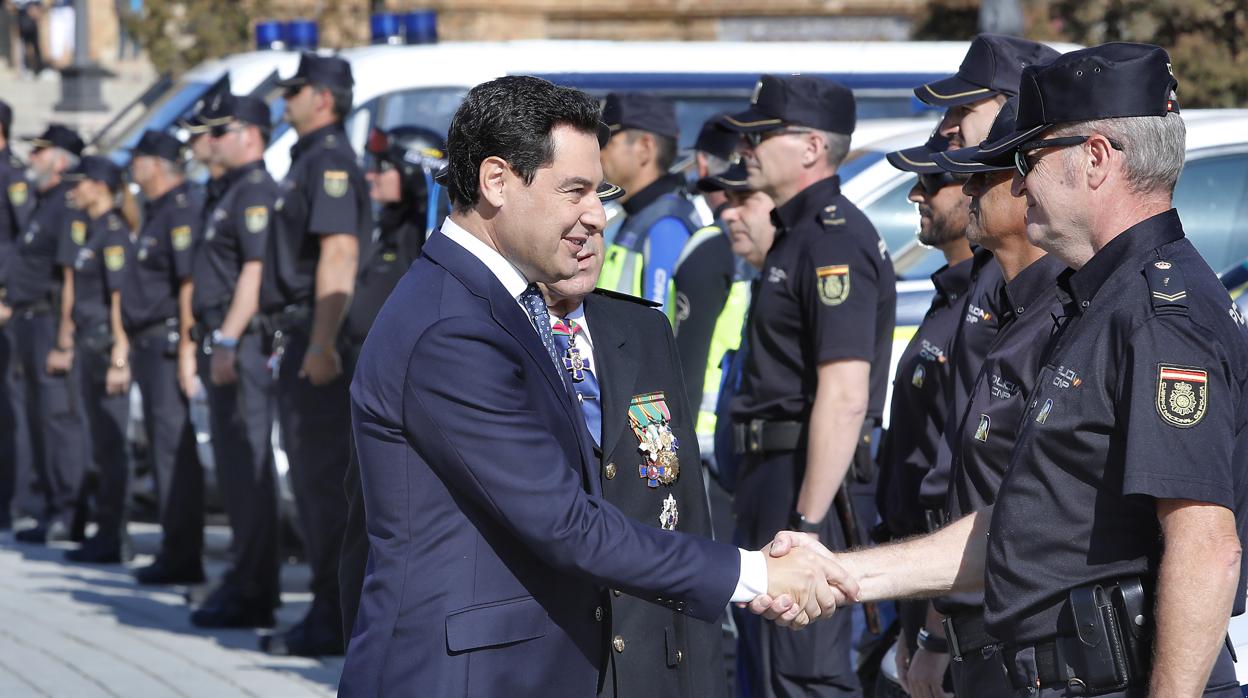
[1112,558]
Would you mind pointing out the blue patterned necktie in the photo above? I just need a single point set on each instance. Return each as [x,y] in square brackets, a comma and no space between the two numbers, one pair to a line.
[535,305]
[575,360]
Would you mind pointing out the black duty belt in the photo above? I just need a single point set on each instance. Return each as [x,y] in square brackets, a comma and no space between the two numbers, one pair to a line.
[293,317]
[160,328]
[39,307]
[967,633]
[761,436]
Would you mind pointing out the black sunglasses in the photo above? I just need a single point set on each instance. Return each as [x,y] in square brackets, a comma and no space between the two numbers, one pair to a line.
[933,183]
[1023,166]
[754,139]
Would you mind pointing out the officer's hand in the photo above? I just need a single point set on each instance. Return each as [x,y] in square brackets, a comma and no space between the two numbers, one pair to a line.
[187,369]
[59,361]
[813,583]
[321,365]
[222,366]
[117,380]
[6,313]
[926,677]
[901,662]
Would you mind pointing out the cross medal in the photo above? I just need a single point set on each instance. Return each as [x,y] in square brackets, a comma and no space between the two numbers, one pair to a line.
[574,362]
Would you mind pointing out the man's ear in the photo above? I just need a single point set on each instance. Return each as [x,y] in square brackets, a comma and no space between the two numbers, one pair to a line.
[1100,156]
[647,149]
[815,150]
[492,179]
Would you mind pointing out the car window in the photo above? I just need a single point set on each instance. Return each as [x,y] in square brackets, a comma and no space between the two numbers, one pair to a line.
[894,215]
[1211,198]
[431,108]
[177,102]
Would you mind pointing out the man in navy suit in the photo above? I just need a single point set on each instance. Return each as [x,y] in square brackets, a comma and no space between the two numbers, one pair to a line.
[491,548]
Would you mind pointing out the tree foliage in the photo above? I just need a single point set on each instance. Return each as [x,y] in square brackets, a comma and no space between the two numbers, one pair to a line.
[181,34]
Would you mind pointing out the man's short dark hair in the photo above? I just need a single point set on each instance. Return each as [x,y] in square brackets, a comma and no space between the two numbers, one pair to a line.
[511,118]
[342,99]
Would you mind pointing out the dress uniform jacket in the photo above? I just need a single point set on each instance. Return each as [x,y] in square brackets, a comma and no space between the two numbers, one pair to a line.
[655,651]
[490,543]
[1142,398]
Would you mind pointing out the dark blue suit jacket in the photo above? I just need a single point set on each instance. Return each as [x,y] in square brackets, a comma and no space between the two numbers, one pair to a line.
[488,556]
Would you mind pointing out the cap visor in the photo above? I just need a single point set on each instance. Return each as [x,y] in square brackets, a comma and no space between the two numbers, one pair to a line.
[750,121]
[962,161]
[297,81]
[918,159]
[609,192]
[442,175]
[951,92]
[38,141]
[74,176]
[1000,153]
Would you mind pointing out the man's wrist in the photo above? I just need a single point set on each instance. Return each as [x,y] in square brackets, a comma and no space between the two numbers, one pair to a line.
[224,341]
[800,523]
[931,643]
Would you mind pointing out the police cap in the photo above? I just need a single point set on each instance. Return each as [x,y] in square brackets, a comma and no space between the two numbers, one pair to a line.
[210,112]
[1103,82]
[159,144]
[919,159]
[992,66]
[609,192]
[325,71]
[643,112]
[250,110]
[58,136]
[717,139]
[798,100]
[99,169]
[963,160]
[735,178]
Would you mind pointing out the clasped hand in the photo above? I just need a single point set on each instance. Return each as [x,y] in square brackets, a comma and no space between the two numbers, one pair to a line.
[804,582]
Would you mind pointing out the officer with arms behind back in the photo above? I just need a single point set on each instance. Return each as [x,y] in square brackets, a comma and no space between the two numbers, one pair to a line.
[234,367]
[1123,585]
[641,259]
[156,313]
[819,339]
[322,216]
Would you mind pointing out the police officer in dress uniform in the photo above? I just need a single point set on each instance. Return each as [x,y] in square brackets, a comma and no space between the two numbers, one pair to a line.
[156,315]
[1111,560]
[322,217]
[819,337]
[620,357]
[52,409]
[921,388]
[16,206]
[641,258]
[93,254]
[405,162]
[233,366]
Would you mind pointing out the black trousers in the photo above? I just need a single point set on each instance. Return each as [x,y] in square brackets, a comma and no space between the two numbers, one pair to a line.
[353,563]
[14,433]
[241,418]
[52,413]
[316,425]
[107,419]
[179,475]
[814,661]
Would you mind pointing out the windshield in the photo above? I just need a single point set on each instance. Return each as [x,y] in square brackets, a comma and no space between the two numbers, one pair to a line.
[178,101]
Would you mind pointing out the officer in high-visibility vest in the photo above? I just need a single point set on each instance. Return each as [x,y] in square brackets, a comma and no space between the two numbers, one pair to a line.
[641,258]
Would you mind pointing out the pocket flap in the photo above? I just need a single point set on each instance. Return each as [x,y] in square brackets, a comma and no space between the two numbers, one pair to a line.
[495,623]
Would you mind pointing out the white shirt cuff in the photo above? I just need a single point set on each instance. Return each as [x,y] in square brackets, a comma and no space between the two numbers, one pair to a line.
[753,579]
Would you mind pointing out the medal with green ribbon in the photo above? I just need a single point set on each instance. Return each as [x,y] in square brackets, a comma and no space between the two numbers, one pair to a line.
[650,419]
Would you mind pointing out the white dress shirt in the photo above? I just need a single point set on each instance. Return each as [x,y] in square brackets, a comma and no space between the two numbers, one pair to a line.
[753,579]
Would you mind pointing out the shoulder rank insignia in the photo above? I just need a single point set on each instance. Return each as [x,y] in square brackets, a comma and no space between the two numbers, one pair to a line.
[78,232]
[113,223]
[180,200]
[257,218]
[181,237]
[1182,394]
[833,284]
[650,419]
[1166,287]
[670,516]
[19,192]
[335,183]
[830,216]
[115,257]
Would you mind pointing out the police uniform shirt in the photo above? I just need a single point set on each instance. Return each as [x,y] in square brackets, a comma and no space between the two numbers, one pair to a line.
[323,194]
[703,277]
[162,259]
[16,205]
[919,406]
[34,275]
[1142,398]
[827,293]
[235,232]
[989,427]
[90,248]
[981,320]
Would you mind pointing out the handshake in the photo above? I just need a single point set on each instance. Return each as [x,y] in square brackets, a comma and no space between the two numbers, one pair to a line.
[805,582]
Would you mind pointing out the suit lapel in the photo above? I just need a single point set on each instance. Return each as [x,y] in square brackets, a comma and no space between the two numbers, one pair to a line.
[618,375]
